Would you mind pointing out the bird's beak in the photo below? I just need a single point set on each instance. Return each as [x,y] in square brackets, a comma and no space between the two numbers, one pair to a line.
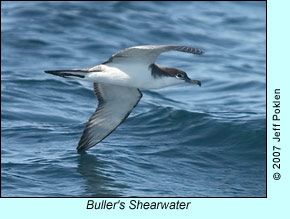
[193,81]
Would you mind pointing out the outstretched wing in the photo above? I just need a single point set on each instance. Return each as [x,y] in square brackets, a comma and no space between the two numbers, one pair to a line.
[115,104]
[148,54]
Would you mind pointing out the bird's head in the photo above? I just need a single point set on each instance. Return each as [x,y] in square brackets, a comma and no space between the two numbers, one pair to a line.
[181,75]
[175,75]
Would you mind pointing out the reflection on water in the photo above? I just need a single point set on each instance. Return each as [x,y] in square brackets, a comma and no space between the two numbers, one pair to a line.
[99,183]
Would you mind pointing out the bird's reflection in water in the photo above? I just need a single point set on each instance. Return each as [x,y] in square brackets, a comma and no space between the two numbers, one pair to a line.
[99,181]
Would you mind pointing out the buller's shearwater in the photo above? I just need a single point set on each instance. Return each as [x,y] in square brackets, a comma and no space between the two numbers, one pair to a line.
[117,82]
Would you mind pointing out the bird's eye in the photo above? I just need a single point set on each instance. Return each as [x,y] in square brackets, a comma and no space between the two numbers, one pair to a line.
[179,75]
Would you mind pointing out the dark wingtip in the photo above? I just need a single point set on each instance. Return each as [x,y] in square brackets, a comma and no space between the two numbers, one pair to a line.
[83,146]
[200,52]
[81,150]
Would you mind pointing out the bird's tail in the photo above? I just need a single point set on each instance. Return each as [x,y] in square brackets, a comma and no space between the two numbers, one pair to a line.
[76,73]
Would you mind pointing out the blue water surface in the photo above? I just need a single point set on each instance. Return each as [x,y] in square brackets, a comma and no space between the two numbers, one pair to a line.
[184,140]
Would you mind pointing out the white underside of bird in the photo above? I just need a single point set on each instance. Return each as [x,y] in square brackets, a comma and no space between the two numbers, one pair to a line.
[132,75]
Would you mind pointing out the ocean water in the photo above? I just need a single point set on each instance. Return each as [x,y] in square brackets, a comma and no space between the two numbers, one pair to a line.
[180,141]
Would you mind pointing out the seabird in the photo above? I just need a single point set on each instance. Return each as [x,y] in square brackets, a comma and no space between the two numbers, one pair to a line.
[117,82]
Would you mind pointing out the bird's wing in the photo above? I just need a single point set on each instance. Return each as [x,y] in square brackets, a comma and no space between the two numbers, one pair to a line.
[148,54]
[115,104]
